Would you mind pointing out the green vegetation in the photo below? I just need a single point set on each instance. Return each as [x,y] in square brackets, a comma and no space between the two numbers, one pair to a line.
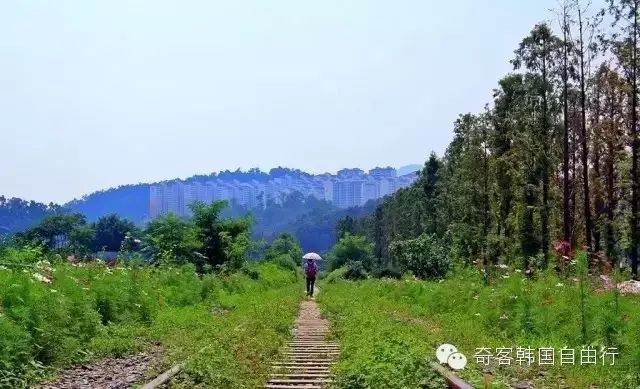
[52,316]
[17,215]
[207,240]
[389,329]
[546,165]
[515,237]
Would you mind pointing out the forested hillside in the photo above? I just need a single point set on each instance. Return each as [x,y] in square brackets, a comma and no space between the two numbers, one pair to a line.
[132,201]
[549,164]
[17,214]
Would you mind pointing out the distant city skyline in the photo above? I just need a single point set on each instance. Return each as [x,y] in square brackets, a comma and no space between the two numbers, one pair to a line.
[98,94]
[349,187]
[408,167]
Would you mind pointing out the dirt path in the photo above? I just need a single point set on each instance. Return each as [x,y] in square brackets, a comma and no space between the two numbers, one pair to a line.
[307,358]
[108,373]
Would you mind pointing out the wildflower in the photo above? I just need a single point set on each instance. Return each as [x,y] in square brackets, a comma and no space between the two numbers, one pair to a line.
[41,278]
[559,284]
[505,276]
[518,271]
[504,317]
[475,297]
[502,266]
[476,314]
[53,291]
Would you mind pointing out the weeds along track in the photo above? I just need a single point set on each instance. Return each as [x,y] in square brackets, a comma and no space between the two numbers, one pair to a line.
[308,357]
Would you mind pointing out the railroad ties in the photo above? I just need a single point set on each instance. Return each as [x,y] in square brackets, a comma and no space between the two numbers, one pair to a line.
[308,357]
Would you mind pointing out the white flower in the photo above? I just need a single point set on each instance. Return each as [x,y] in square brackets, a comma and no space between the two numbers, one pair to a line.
[41,278]
[559,284]
[504,317]
[506,276]
[476,314]
[53,291]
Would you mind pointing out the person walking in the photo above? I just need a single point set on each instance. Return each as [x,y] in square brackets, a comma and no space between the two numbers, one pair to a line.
[310,270]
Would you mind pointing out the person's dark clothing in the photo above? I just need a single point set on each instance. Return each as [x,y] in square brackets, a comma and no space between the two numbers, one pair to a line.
[310,283]
[310,270]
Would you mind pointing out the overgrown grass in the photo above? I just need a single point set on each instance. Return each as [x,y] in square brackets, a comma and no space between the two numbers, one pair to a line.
[389,329]
[54,316]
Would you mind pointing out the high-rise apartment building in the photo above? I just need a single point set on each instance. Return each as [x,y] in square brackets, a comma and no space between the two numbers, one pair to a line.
[348,188]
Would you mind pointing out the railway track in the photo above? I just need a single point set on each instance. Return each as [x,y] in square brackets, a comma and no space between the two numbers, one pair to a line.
[307,359]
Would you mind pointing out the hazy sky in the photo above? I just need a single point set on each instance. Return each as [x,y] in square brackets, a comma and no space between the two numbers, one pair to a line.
[95,94]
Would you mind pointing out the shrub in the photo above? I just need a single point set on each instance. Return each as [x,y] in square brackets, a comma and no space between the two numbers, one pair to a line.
[285,261]
[28,254]
[335,275]
[388,272]
[250,271]
[355,271]
[351,248]
[424,256]
[284,244]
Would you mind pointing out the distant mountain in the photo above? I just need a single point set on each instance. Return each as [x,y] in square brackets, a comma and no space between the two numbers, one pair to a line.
[132,201]
[409,169]
[128,201]
[310,218]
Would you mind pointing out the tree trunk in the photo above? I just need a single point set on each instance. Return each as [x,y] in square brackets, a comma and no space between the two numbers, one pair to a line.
[634,146]
[544,212]
[566,191]
[583,140]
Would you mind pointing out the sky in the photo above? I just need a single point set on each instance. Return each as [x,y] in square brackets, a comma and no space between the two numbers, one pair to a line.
[96,94]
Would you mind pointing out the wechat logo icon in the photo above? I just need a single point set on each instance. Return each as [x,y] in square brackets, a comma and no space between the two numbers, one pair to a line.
[448,353]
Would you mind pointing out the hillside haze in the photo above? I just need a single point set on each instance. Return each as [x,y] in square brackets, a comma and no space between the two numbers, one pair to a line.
[281,200]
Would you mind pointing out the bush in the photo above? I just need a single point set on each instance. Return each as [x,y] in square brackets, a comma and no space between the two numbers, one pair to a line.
[424,256]
[351,248]
[334,276]
[250,271]
[388,272]
[28,254]
[285,261]
[355,271]
[284,244]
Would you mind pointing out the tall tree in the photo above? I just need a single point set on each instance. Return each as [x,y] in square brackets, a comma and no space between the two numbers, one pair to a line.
[625,14]
[566,185]
[109,232]
[429,179]
[610,93]
[582,54]
[538,52]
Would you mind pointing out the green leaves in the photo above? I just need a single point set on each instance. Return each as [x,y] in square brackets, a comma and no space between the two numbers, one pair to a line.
[424,256]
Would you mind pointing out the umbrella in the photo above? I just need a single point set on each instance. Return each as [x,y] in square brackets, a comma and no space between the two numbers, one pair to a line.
[313,256]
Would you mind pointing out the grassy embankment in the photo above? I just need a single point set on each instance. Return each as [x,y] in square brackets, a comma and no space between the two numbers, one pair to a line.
[227,327]
[390,328]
